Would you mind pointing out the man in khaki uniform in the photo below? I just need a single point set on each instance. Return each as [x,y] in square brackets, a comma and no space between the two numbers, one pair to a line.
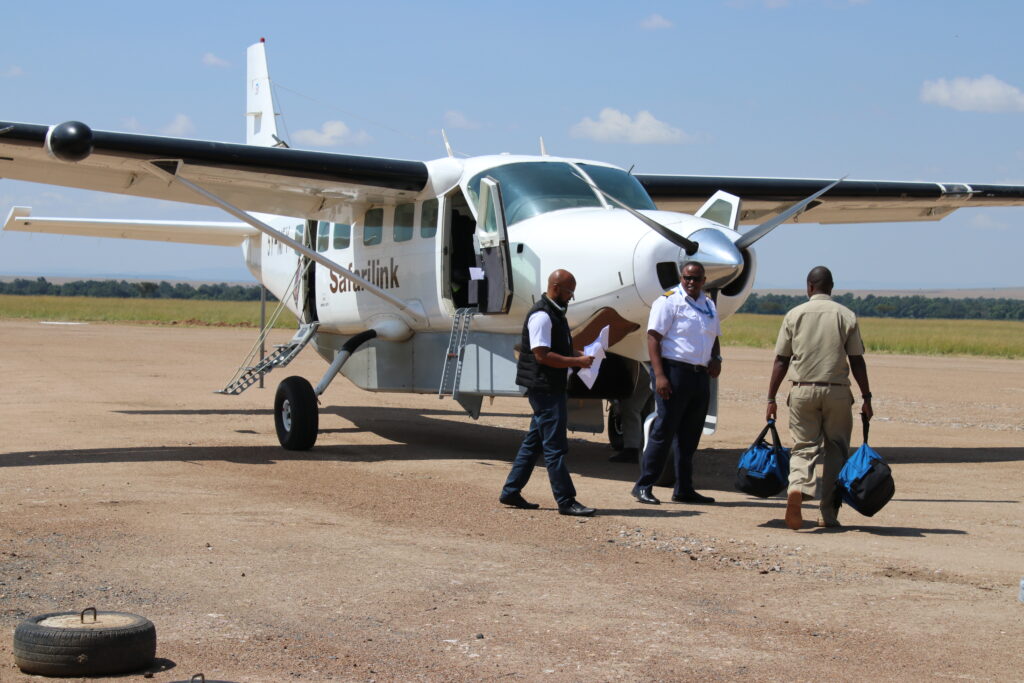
[815,341]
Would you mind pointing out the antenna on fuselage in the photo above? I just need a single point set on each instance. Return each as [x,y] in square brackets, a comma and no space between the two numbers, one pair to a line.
[447,145]
[543,149]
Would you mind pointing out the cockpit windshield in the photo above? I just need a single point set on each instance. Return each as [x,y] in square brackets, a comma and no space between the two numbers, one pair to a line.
[534,187]
[621,185]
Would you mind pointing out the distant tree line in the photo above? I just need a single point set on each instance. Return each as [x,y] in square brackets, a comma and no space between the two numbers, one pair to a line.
[121,289]
[872,306]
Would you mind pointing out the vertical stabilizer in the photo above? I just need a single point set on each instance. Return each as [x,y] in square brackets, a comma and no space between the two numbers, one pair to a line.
[260,116]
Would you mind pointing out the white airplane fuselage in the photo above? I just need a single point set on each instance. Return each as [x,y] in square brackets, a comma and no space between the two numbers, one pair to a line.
[409,249]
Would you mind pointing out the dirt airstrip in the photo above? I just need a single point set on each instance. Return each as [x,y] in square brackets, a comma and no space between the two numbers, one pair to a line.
[383,554]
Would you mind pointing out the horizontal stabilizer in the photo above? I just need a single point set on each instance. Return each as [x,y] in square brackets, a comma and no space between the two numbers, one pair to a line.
[216,233]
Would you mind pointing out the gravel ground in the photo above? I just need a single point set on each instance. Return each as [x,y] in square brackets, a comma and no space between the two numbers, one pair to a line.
[383,554]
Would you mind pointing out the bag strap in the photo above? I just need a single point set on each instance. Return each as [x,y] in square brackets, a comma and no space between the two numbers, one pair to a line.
[867,423]
[775,435]
[760,437]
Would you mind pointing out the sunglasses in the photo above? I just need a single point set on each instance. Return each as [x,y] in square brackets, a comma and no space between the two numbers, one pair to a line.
[693,278]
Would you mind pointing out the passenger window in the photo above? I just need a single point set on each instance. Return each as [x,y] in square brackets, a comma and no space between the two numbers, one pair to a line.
[403,222]
[428,219]
[342,235]
[323,235]
[373,227]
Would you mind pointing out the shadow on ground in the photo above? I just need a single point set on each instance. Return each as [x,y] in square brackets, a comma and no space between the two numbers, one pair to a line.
[432,434]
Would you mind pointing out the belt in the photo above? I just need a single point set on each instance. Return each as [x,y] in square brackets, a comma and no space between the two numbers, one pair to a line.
[818,384]
[688,366]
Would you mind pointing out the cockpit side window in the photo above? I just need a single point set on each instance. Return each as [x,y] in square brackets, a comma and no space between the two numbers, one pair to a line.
[532,188]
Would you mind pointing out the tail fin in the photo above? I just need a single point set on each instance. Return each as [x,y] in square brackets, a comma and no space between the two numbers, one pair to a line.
[261,124]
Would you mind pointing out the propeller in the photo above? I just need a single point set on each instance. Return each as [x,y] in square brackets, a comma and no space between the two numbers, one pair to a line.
[689,246]
[760,231]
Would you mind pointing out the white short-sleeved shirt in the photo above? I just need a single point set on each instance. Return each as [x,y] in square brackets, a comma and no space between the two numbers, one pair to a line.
[539,326]
[688,328]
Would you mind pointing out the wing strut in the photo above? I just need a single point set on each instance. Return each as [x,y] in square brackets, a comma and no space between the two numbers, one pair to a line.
[169,169]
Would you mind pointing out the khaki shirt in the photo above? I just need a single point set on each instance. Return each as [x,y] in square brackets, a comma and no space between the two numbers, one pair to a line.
[818,336]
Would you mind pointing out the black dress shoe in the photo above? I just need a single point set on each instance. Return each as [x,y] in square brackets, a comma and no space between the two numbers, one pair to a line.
[516,500]
[626,455]
[575,509]
[693,497]
[643,494]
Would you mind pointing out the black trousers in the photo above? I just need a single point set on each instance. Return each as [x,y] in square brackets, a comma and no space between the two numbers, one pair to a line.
[680,418]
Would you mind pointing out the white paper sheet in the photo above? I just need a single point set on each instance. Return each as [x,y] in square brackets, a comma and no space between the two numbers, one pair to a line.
[476,273]
[596,349]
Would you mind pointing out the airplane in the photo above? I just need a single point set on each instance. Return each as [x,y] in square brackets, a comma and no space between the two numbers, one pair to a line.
[413,276]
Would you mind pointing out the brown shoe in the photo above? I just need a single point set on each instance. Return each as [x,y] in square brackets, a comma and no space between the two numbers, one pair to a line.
[794,518]
[829,523]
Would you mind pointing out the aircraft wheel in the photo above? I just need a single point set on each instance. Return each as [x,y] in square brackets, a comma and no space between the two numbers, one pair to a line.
[296,416]
[615,437]
[668,475]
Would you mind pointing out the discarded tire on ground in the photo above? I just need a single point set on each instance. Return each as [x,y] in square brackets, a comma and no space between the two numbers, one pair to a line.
[87,643]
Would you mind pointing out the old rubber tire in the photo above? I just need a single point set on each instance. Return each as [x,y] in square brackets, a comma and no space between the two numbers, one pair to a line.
[59,644]
[296,416]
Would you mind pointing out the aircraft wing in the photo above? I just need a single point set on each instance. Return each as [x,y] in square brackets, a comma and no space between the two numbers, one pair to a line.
[216,233]
[271,180]
[852,201]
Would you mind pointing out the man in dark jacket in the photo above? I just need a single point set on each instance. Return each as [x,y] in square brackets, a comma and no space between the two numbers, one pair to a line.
[545,357]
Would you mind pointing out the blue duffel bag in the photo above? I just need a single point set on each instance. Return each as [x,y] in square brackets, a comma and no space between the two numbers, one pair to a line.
[763,469]
[865,481]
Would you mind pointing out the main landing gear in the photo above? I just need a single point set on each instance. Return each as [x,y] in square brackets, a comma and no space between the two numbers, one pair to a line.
[296,415]
[296,410]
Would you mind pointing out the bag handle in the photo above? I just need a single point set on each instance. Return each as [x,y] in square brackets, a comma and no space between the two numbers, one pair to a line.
[764,432]
[867,423]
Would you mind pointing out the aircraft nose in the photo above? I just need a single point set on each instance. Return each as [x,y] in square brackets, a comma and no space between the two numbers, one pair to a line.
[722,261]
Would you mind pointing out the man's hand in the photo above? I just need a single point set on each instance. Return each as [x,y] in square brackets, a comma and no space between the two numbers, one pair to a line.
[714,367]
[662,386]
[773,409]
[584,361]
[866,410]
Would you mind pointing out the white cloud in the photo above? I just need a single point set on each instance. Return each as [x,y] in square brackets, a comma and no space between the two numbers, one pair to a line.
[331,134]
[984,221]
[12,72]
[655,22]
[614,126]
[210,59]
[456,119]
[985,94]
[179,127]
[132,125]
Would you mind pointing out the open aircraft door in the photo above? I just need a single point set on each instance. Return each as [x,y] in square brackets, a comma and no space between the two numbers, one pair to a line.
[493,282]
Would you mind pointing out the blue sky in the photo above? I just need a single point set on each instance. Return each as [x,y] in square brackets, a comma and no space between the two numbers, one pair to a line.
[894,90]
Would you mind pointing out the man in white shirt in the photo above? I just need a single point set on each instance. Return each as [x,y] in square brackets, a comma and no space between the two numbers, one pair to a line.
[682,341]
[545,356]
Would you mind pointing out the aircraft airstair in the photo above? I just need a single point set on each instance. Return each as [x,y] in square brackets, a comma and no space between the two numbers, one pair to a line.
[452,372]
[283,355]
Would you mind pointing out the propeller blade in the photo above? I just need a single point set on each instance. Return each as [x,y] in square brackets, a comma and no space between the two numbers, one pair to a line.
[760,231]
[675,238]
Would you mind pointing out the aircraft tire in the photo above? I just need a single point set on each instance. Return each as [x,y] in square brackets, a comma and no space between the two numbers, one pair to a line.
[296,415]
[68,644]
[615,437]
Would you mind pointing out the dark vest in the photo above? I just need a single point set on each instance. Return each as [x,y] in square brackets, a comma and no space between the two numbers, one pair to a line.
[530,373]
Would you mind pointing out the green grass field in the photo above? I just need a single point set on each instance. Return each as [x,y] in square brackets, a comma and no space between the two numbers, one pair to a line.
[932,337]
[995,338]
[187,312]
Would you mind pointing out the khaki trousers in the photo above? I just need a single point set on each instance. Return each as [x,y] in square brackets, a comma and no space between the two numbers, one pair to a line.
[820,423]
